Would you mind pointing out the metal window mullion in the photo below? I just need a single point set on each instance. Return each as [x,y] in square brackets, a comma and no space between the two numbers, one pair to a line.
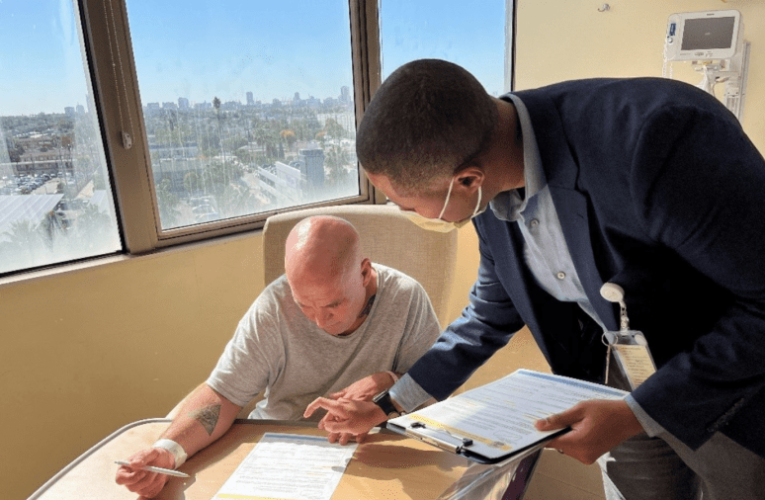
[115,83]
[365,42]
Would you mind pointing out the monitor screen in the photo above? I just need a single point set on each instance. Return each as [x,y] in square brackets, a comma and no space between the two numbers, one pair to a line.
[710,33]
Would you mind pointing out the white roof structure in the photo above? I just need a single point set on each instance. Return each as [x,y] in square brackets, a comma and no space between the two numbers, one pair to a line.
[101,200]
[30,207]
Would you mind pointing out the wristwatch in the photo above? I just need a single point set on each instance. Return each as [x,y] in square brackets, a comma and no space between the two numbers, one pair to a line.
[385,403]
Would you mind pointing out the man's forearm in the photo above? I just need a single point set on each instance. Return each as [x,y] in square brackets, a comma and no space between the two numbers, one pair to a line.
[203,417]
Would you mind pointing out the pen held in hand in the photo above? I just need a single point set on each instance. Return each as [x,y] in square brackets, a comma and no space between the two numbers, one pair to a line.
[151,468]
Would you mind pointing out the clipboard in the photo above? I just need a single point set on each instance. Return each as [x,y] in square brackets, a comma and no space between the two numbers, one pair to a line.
[495,422]
[462,446]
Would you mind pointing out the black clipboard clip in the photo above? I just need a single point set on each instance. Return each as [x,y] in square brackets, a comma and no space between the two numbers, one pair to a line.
[454,444]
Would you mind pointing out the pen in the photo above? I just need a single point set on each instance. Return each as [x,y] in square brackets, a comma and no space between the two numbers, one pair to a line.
[151,468]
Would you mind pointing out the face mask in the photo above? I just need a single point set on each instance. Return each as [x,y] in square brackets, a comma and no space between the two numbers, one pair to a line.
[442,226]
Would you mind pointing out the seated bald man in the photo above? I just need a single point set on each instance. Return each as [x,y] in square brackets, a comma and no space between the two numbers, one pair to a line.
[334,324]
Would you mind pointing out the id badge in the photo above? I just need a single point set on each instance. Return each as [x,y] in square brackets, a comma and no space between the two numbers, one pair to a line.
[631,352]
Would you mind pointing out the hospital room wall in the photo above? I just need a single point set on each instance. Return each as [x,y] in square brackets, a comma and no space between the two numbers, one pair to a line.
[563,40]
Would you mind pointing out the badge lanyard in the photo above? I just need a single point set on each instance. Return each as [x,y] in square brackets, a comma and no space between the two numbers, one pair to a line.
[630,347]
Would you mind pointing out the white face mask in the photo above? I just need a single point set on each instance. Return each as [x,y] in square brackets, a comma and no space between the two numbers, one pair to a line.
[438,224]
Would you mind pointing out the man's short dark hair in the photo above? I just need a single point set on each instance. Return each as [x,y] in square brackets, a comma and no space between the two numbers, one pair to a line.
[429,119]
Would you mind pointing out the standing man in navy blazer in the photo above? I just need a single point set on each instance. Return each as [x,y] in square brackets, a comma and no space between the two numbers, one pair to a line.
[647,183]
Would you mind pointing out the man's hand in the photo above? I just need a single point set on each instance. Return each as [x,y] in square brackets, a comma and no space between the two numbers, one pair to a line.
[145,483]
[596,427]
[354,418]
[366,388]
[346,437]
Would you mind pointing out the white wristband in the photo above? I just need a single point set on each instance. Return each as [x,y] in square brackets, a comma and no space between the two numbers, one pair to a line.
[392,375]
[174,448]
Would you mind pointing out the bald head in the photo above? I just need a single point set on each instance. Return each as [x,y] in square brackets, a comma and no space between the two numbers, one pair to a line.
[330,280]
[321,248]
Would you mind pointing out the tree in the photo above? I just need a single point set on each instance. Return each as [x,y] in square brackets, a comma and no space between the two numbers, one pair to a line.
[334,129]
[336,160]
[25,246]
[168,204]
[216,105]
[218,176]
[15,150]
[321,137]
[191,182]
[289,136]
[267,138]
[92,232]
[244,156]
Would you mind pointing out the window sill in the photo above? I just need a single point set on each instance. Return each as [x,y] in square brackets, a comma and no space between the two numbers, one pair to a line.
[110,260]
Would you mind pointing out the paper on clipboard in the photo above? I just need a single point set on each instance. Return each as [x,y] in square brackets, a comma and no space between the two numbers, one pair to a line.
[496,421]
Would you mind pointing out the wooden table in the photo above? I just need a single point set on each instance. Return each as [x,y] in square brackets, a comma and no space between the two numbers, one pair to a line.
[388,466]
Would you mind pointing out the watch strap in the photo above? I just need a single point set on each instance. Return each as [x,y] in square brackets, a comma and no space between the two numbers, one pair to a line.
[384,401]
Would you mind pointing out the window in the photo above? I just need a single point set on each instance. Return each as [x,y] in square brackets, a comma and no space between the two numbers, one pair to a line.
[475,36]
[56,204]
[247,106]
[210,116]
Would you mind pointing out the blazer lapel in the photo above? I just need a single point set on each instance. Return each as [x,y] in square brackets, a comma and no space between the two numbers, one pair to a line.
[570,205]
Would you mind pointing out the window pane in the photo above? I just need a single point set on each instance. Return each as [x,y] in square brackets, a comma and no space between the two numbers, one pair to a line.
[55,201]
[466,33]
[248,105]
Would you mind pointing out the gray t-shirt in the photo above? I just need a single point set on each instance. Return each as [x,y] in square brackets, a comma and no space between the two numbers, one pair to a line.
[277,349]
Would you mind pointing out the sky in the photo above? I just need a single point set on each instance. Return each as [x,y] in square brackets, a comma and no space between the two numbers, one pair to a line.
[201,49]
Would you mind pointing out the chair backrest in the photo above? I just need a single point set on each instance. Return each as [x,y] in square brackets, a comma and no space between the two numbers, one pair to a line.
[387,237]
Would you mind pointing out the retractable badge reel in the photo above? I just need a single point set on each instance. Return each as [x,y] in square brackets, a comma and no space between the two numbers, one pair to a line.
[630,347]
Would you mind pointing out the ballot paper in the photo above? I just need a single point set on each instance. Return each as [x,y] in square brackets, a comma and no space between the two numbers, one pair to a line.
[288,467]
[495,422]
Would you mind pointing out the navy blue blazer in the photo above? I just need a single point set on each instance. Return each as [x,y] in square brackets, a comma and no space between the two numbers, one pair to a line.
[658,189]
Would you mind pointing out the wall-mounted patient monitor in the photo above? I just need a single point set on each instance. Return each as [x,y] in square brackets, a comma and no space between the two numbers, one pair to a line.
[713,41]
[705,35]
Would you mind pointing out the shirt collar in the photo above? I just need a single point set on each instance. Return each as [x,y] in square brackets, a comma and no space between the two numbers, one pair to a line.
[509,204]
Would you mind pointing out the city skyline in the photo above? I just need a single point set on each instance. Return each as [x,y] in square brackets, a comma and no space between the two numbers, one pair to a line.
[198,51]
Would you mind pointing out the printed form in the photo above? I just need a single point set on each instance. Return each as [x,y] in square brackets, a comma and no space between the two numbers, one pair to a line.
[498,418]
[288,467]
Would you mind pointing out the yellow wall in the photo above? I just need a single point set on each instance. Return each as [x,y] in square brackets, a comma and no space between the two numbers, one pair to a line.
[89,351]
[561,40]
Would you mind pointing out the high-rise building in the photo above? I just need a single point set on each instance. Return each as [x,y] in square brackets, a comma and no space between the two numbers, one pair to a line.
[250,99]
[311,164]
[345,95]
[69,111]
[183,103]
[6,169]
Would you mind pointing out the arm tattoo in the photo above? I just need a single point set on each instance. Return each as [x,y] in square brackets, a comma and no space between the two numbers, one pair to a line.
[207,416]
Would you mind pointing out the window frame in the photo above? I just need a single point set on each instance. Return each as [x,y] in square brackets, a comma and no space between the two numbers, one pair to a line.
[113,73]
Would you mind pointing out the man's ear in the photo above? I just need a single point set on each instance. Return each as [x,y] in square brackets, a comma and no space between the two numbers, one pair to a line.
[366,271]
[471,178]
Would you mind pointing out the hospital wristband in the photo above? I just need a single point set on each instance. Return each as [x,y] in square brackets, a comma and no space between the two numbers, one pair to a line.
[175,450]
